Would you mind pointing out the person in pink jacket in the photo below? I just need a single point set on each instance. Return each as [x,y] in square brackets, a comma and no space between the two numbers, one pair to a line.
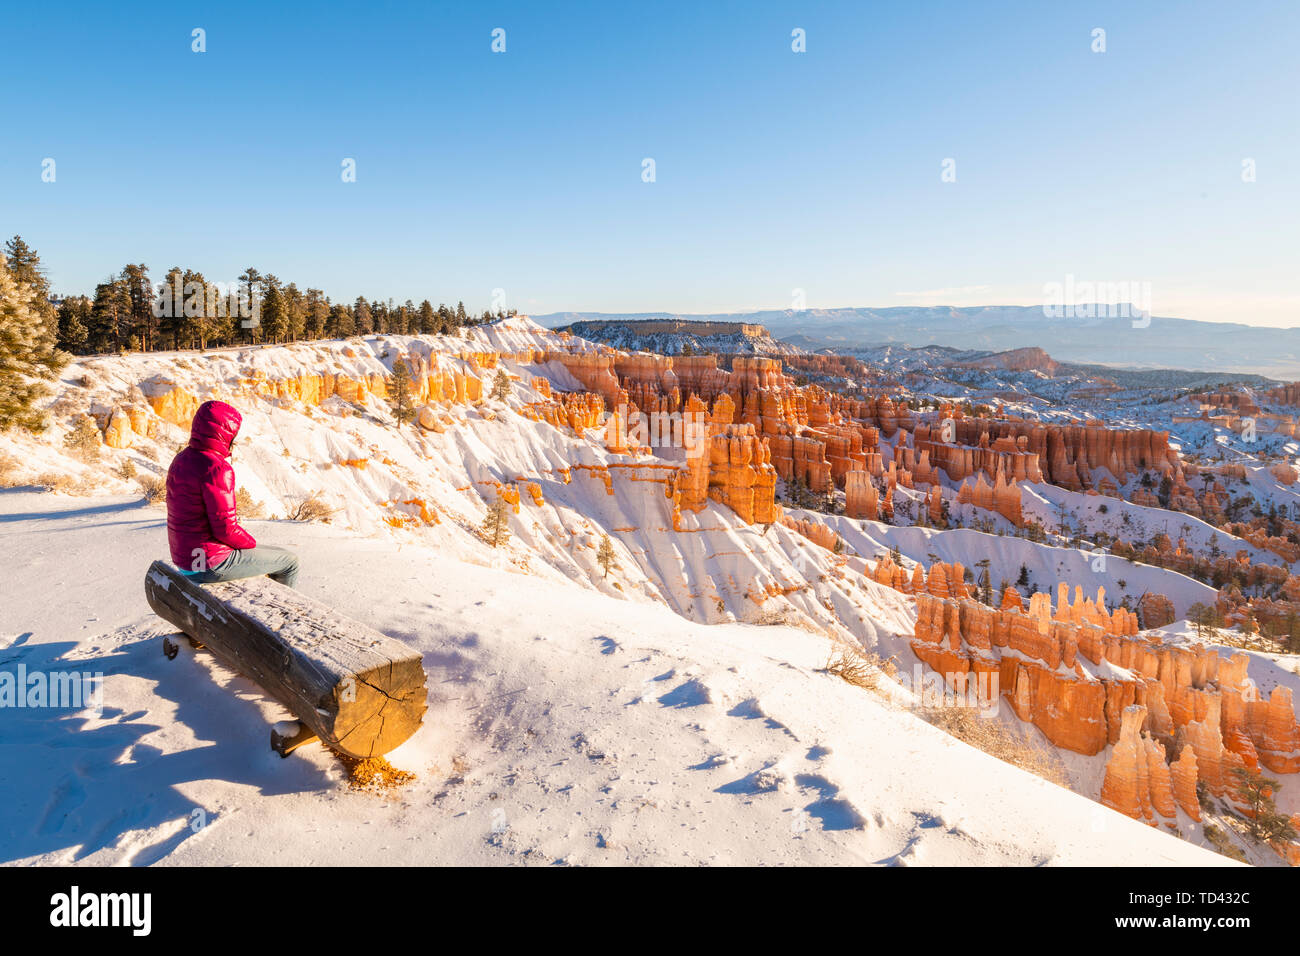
[207,542]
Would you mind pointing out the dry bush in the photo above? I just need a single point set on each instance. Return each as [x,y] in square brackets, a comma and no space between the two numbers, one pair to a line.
[1223,845]
[126,470]
[775,617]
[8,470]
[993,737]
[84,487]
[64,405]
[84,439]
[859,669]
[312,508]
[246,506]
[788,616]
[50,481]
[154,488]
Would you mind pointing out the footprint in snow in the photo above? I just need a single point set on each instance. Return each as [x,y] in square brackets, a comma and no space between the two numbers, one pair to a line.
[67,796]
[711,763]
[749,709]
[691,693]
[766,780]
[832,810]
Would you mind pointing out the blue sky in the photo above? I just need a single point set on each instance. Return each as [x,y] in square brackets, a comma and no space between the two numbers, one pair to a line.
[774,170]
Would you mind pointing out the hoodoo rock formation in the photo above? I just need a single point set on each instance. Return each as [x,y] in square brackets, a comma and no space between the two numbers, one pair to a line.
[1000,497]
[1187,699]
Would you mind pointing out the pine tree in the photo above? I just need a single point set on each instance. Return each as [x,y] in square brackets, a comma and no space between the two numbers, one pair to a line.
[501,385]
[110,315]
[340,324]
[143,322]
[400,396]
[295,311]
[25,267]
[1023,580]
[210,318]
[169,306]
[28,353]
[318,311]
[461,318]
[365,322]
[1292,632]
[496,524]
[605,555]
[428,318]
[984,582]
[275,320]
[250,278]
[74,321]
[1263,820]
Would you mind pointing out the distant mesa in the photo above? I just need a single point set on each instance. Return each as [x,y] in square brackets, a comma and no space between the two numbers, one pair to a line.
[1032,359]
[670,335]
[668,326]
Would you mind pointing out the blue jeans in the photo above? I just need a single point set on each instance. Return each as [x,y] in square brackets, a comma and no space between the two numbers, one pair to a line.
[279,564]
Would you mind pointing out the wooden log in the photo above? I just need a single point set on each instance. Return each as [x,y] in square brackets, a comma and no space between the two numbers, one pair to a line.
[286,743]
[361,692]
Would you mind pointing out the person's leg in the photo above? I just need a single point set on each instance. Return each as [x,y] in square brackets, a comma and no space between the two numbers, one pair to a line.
[277,563]
[286,567]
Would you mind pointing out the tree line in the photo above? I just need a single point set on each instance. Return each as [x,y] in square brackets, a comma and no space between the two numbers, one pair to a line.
[129,311]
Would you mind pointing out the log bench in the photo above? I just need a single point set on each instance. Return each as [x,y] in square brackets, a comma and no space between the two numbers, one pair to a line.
[361,692]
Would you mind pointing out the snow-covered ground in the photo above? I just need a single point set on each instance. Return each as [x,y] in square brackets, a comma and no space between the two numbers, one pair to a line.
[637,716]
[1046,565]
[565,726]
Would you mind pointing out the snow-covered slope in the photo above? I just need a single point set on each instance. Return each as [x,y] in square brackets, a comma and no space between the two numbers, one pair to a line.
[564,726]
[376,474]
[1046,565]
[517,633]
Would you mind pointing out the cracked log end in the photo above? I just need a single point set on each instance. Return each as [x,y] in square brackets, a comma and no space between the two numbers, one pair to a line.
[380,708]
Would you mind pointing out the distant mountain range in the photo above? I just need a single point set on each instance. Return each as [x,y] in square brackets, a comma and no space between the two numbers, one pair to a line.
[1122,342]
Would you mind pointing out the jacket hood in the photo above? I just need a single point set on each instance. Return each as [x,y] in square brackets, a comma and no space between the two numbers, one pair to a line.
[215,426]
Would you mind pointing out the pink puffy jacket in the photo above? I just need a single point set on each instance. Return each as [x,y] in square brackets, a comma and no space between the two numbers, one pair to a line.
[201,492]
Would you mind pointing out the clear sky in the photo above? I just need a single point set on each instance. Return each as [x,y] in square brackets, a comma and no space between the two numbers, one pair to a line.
[774,170]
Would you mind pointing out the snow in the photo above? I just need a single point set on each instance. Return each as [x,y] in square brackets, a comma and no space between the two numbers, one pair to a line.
[565,726]
[652,715]
[1046,565]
